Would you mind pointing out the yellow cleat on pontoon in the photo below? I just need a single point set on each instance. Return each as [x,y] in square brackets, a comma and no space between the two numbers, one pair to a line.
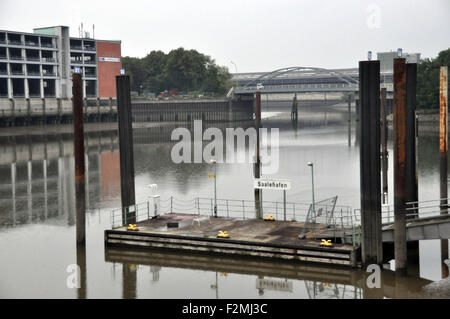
[269,218]
[326,243]
[222,234]
[132,227]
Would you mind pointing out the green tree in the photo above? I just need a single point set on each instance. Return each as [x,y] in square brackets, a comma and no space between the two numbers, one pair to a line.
[154,66]
[133,67]
[217,79]
[186,70]
[180,69]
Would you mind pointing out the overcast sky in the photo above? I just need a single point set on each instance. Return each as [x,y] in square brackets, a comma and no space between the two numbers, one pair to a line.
[254,35]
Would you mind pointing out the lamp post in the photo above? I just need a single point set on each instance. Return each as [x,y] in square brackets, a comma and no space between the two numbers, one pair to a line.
[312,180]
[213,162]
[235,67]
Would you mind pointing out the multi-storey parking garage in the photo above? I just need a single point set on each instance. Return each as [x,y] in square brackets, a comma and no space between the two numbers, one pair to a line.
[40,64]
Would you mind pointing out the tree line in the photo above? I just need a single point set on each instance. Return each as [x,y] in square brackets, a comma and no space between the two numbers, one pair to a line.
[183,70]
[428,80]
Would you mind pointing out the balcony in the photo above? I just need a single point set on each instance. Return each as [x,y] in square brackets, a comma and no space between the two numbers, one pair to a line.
[87,48]
[15,42]
[17,58]
[34,73]
[31,44]
[17,72]
[51,60]
[34,58]
[90,62]
[3,72]
[90,75]
[48,74]
[2,57]
[76,47]
[47,45]
[2,41]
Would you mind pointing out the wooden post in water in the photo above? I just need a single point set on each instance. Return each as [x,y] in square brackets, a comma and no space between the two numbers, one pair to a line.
[349,120]
[357,121]
[81,262]
[443,155]
[129,281]
[77,102]
[384,151]
[126,148]
[257,167]
[400,248]
[412,190]
[411,171]
[369,97]
[294,111]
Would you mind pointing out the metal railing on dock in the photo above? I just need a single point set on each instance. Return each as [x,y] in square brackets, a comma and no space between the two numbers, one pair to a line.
[230,208]
[327,214]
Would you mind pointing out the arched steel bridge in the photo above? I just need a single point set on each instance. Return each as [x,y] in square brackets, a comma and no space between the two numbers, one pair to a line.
[266,84]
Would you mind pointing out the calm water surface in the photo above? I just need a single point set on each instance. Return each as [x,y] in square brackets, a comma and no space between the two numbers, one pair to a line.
[37,205]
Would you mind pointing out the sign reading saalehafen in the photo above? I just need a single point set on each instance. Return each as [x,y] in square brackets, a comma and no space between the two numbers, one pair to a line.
[278,184]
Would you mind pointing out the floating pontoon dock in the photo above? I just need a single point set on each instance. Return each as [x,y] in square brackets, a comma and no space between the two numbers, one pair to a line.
[250,237]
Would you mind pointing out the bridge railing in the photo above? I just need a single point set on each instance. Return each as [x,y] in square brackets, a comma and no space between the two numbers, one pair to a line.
[301,86]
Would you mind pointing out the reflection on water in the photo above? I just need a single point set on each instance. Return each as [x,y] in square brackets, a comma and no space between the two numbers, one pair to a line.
[256,277]
[37,216]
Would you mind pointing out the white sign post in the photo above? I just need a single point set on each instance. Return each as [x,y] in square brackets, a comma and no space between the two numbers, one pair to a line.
[276,184]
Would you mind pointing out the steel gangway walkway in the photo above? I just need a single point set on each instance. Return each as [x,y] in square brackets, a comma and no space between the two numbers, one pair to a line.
[425,220]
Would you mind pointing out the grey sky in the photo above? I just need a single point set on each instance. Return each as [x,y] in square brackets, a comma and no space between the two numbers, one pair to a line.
[256,35]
